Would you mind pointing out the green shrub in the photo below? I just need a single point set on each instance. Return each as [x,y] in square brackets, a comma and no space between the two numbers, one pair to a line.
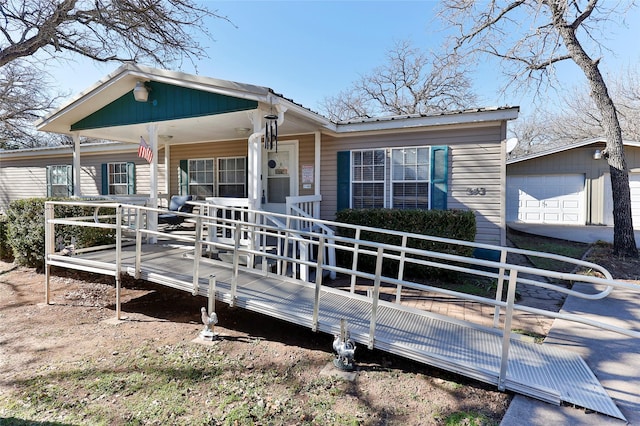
[451,224]
[26,230]
[5,248]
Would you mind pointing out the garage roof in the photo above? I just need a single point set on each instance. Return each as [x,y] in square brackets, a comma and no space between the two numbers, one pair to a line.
[556,149]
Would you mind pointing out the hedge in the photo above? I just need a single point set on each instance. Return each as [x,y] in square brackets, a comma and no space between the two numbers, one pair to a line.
[5,249]
[451,224]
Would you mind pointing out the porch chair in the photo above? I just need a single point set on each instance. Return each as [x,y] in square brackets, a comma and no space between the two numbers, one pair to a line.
[178,204]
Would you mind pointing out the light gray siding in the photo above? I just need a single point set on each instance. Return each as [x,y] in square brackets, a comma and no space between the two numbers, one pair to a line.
[26,177]
[475,161]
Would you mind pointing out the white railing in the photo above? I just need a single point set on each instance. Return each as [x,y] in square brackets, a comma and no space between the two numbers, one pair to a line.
[306,209]
[273,254]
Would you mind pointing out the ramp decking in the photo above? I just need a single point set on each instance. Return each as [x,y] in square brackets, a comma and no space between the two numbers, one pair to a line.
[475,351]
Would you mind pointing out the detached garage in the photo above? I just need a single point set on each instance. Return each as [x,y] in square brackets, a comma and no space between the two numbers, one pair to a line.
[568,185]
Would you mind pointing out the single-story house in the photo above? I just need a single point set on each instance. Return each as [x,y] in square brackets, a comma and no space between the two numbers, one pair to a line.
[569,185]
[215,138]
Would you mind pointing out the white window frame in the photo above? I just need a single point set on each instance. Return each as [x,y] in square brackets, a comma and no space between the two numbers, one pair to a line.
[56,171]
[403,177]
[111,174]
[358,177]
[194,183]
[220,181]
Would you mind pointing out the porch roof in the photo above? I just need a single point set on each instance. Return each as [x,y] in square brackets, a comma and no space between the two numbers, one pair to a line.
[213,109]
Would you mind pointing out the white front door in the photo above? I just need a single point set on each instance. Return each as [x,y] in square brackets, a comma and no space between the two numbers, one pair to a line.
[279,176]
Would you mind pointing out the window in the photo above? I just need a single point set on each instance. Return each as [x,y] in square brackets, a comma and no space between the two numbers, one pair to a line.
[199,178]
[402,178]
[232,177]
[410,178]
[59,181]
[118,179]
[201,182]
[368,178]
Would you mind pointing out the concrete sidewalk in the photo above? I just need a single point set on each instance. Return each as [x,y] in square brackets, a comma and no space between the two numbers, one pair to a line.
[579,233]
[614,358]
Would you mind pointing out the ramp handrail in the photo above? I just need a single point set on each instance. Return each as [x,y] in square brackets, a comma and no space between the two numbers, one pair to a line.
[277,227]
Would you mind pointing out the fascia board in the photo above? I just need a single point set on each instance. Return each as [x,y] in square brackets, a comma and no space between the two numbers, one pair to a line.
[396,123]
[85,149]
[561,148]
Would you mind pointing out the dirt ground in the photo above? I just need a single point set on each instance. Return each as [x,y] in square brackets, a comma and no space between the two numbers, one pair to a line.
[76,328]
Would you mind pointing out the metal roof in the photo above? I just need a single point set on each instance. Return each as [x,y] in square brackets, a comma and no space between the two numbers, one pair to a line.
[561,148]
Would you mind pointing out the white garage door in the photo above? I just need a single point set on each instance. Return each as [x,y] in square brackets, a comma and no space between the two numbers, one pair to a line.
[634,186]
[546,199]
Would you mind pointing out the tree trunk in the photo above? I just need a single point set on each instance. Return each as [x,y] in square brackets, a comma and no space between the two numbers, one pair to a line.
[624,243]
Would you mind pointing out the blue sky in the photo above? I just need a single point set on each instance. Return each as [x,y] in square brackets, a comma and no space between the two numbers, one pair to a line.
[307,50]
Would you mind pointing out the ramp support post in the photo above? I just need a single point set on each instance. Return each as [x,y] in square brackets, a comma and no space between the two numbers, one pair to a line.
[506,332]
[212,293]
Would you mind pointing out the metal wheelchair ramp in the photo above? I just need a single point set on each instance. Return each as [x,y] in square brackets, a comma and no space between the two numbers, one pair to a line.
[281,273]
[536,370]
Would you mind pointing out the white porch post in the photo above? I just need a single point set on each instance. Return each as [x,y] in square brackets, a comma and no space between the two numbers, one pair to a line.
[77,191]
[254,160]
[318,150]
[167,169]
[316,177]
[152,130]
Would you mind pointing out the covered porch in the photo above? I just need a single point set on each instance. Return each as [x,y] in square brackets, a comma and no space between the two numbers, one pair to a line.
[203,137]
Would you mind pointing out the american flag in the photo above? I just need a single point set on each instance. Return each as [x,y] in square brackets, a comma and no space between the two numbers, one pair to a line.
[144,150]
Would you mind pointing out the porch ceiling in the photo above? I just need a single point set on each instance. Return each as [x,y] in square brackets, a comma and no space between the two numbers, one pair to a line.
[199,129]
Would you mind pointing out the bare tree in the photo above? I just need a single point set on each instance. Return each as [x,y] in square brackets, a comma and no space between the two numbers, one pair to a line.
[410,82]
[37,31]
[24,97]
[579,117]
[533,136]
[103,30]
[531,37]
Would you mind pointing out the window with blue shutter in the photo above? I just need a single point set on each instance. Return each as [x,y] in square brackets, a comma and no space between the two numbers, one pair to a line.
[118,178]
[417,178]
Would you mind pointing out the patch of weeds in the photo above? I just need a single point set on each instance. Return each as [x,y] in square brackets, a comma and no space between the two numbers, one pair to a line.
[468,419]
[537,337]
[147,383]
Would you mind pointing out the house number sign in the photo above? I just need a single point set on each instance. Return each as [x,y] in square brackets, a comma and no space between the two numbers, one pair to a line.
[476,191]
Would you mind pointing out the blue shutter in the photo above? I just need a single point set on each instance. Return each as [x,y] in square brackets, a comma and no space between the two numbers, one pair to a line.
[131,178]
[49,188]
[343,196]
[104,180]
[183,178]
[439,177]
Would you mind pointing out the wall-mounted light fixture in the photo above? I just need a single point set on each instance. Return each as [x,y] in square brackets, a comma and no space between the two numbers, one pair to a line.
[597,154]
[141,92]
